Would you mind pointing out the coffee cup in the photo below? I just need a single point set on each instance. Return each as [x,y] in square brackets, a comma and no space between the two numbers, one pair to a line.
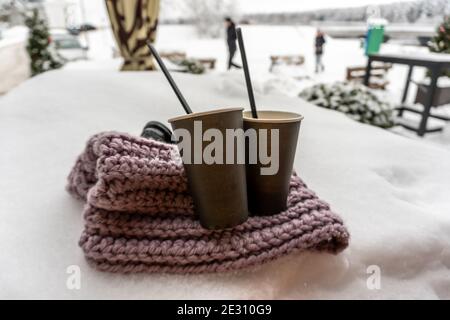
[268,183]
[218,186]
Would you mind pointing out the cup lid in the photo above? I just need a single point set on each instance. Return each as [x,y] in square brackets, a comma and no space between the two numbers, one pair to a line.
[272,116]
[204,113]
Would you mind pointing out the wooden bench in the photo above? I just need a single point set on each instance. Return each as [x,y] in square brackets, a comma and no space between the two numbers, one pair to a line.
[292,60]
[173,56]
[177,56]
[208,63]
[377,75]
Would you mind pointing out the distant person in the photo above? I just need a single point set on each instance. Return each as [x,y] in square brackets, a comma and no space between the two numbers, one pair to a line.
[319,43]
[231,42]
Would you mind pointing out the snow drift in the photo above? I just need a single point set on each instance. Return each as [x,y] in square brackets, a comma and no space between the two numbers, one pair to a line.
[392,193]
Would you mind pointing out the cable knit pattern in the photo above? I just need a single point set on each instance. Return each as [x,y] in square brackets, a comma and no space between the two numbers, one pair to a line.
[160,233]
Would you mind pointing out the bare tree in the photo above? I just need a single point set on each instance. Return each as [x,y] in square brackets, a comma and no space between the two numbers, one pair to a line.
[13,12]
[208,15]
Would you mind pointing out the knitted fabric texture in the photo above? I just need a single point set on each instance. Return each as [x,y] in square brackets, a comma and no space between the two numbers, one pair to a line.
[125,173]
[139,216]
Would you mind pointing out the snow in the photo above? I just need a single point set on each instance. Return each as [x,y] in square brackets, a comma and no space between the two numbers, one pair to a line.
[13,36]
[391,191]
[284,40]
[289,80]
[13,58]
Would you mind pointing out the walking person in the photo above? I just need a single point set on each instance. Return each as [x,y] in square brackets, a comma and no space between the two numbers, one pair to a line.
[319,43]
[231,42]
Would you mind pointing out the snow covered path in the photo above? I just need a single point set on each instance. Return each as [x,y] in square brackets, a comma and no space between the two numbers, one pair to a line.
[391,191]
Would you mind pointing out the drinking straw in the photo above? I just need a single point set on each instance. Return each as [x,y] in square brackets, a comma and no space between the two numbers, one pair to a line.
[169,78]
[248,80]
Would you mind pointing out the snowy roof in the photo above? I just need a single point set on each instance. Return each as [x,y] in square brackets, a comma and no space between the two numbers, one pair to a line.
[424,56]
[377,22]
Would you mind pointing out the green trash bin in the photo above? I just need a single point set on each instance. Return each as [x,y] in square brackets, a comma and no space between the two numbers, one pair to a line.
[375,36]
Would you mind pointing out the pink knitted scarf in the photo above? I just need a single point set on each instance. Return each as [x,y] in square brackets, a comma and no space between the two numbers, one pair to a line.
[139,216]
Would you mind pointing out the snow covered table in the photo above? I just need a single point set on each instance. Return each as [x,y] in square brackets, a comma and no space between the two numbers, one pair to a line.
[436,63]
[393,194]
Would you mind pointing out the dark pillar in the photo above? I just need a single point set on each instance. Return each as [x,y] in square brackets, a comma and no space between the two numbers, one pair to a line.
[405,91]
[368,70]
[434,75]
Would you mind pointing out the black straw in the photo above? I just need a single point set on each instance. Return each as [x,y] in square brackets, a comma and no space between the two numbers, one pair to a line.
[248,80]
[169,78]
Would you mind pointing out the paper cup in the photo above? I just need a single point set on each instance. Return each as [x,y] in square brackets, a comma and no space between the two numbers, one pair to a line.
[267,194]
[219,190]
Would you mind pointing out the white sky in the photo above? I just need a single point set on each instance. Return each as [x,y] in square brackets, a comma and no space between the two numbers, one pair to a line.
[177,8]
[262,6]
[96,13]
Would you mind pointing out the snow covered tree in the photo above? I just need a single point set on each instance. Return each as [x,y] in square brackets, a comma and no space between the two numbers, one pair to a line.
[441,41]
[355,100]
[192,66]
[41,58]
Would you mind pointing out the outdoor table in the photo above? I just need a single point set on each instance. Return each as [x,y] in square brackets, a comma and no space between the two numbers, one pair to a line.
[435,63]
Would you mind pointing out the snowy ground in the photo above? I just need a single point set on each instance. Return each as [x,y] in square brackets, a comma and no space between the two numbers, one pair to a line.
[261,41]
[264,41]
[13,35]
[391,191]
